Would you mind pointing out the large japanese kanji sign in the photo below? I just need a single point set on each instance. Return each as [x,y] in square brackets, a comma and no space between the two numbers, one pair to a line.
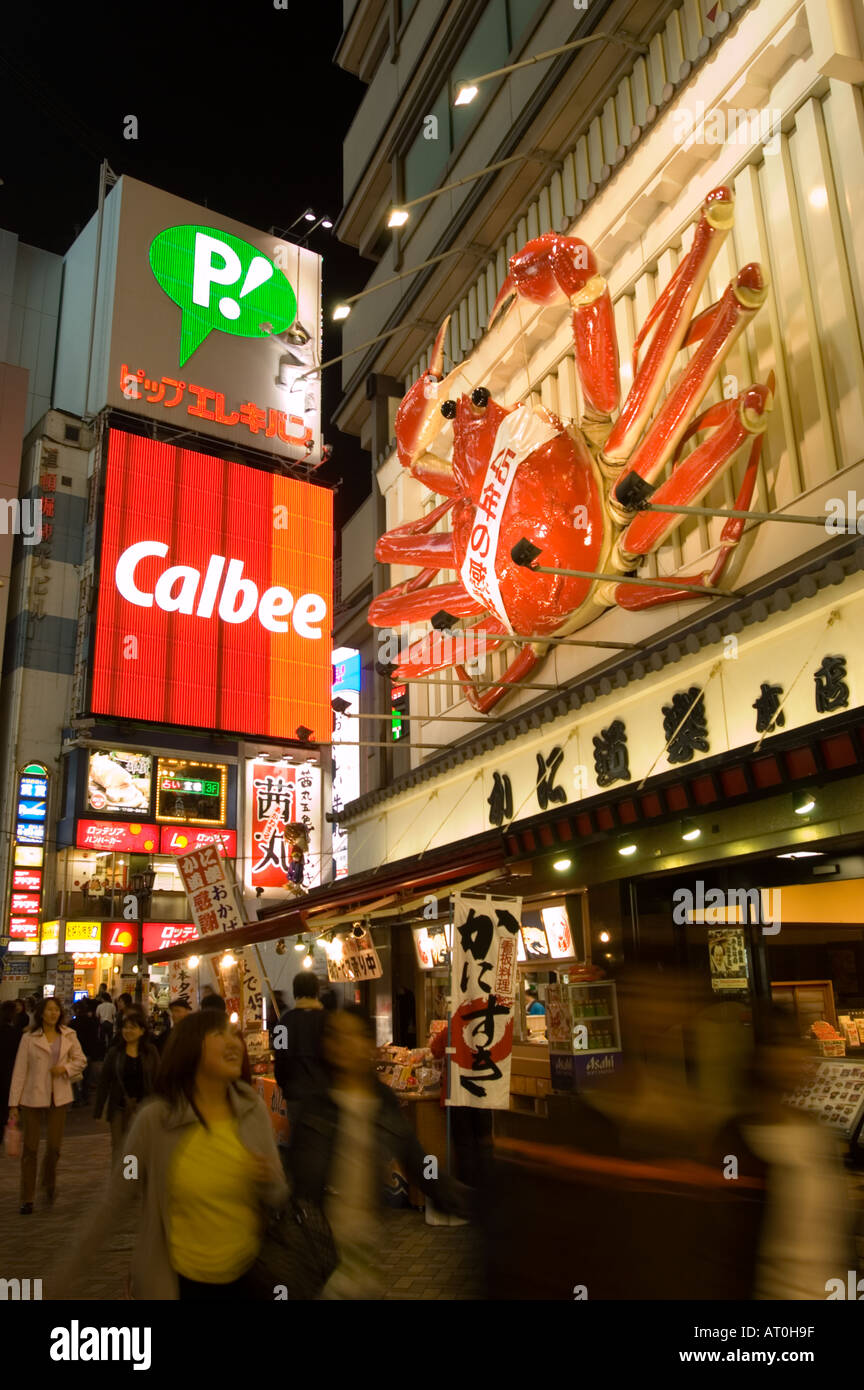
[483,986]
[209,886]
[215,594]
[279,795]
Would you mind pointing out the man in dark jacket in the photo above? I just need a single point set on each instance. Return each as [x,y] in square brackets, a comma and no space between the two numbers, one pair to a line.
[345,1140]
[298,1066]
[92,1041]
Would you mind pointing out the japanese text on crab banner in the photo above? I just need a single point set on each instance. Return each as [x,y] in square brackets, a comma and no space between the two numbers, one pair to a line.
[209,885]
[483,984]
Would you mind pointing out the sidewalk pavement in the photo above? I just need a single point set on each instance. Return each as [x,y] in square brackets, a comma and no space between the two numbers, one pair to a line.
[419,1262]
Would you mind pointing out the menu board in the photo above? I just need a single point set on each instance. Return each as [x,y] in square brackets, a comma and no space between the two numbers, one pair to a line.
[833,1091]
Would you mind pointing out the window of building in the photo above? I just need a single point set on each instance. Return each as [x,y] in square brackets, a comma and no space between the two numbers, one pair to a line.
[500,27]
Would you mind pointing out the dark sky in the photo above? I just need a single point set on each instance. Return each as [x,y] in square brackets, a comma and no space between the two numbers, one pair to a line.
[240,107]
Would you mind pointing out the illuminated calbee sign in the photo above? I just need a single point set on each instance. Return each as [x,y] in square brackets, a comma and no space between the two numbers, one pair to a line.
[215,594]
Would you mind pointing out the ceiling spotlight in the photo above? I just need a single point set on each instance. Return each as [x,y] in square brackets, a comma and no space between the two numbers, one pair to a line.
[326,222]
[804,803]
[626,845]
[690,830]
[193,962]
[398,217]
[341,311]
[442,621]
[134,969]
[358,929]
[234,1017]
[308,962]
[299,944]
[562,865]
[309,215]
[604,936]
[303,733]
[340,705]
[227,961]
[465,95]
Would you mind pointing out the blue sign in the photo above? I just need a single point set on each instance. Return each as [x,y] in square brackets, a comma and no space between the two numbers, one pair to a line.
[30,834]
[579,1071]
[33,786]
[32,810]
[346,674]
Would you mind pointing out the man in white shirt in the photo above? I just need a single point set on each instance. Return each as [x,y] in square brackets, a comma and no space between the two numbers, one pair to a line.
[106,1014]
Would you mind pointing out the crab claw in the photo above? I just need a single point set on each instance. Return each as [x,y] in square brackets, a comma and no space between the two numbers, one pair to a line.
[546,269]
[419,418]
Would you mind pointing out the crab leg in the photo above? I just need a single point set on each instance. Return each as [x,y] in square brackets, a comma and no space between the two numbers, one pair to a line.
[484,700]
[415,604]
[410,545]
[670,318]
[753,406]
[743,297]
[437,650]
[550,267]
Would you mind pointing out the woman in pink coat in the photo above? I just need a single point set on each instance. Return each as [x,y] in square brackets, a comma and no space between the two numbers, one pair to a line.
[48,1061]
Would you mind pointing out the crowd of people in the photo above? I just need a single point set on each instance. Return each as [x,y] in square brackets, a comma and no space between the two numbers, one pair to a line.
[193,1147]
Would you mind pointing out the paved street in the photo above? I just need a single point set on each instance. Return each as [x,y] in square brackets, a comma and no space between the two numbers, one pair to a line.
[418,1261]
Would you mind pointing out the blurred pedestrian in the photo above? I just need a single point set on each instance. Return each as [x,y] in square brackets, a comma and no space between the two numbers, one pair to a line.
[128,1077]
[346,1137]
[298,1062]
[178,1009]
[106,1014]
[49,1059]
[10,1038]
[124,1002]
[22,1019]
[206,1166]
[92,1043]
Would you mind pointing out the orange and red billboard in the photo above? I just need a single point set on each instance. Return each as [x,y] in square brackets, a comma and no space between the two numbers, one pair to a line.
[215,594]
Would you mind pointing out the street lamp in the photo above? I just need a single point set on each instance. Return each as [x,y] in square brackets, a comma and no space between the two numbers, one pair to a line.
[142,888]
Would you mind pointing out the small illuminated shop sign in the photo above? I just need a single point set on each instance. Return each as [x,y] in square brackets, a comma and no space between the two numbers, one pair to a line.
[50,938]
[190,792]
[120,938]
[119,782]
[83,934]
[433,946]
[25,880]
[84,960]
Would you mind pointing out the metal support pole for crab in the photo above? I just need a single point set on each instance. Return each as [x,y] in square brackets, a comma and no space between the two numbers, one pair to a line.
[731,512]
[524,554]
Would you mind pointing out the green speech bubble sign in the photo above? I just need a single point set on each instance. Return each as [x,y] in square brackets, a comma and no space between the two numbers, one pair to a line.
[220,282]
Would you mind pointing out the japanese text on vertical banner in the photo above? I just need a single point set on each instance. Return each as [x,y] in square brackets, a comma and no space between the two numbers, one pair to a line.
[483,986]
[181,984]
[209,886]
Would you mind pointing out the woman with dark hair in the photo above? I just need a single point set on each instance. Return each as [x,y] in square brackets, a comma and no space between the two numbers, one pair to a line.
[128,1076]
[202,1155]
[10,1037]
[48,1061]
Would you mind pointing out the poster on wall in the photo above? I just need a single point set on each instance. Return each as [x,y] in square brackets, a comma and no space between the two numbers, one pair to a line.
[727,958]
[433,946]
[119,782]
[282,802]
[346,746]
[483,985]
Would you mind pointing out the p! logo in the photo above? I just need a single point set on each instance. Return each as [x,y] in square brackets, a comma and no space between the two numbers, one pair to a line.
[220,282]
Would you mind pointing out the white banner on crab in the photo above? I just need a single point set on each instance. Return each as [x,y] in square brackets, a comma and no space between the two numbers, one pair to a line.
[483,985]
[519,434]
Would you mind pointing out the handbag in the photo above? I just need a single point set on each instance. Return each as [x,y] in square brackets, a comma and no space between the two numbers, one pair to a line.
[297,1255]
[12,1141]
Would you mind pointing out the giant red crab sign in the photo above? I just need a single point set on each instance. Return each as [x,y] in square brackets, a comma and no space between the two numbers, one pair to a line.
[577,492]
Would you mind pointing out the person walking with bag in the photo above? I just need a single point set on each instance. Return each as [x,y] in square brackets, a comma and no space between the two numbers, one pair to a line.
[202,1156]
[49,1059]
[128,1076]
[10,1039]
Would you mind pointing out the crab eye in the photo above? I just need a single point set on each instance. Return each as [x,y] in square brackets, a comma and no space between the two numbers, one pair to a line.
[480,397]
[448,409]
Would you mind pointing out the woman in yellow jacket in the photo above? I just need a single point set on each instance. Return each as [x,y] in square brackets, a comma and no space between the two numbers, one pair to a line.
[48,1061]
[202,1155]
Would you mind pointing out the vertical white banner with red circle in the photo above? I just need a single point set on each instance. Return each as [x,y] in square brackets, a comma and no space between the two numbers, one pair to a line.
[483,988]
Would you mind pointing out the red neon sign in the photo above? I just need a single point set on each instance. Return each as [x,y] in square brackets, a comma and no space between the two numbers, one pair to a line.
[120,938]
[215,594]
[184,839]
[133,836]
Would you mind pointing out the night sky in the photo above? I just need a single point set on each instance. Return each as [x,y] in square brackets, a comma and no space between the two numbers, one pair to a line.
[240,108]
